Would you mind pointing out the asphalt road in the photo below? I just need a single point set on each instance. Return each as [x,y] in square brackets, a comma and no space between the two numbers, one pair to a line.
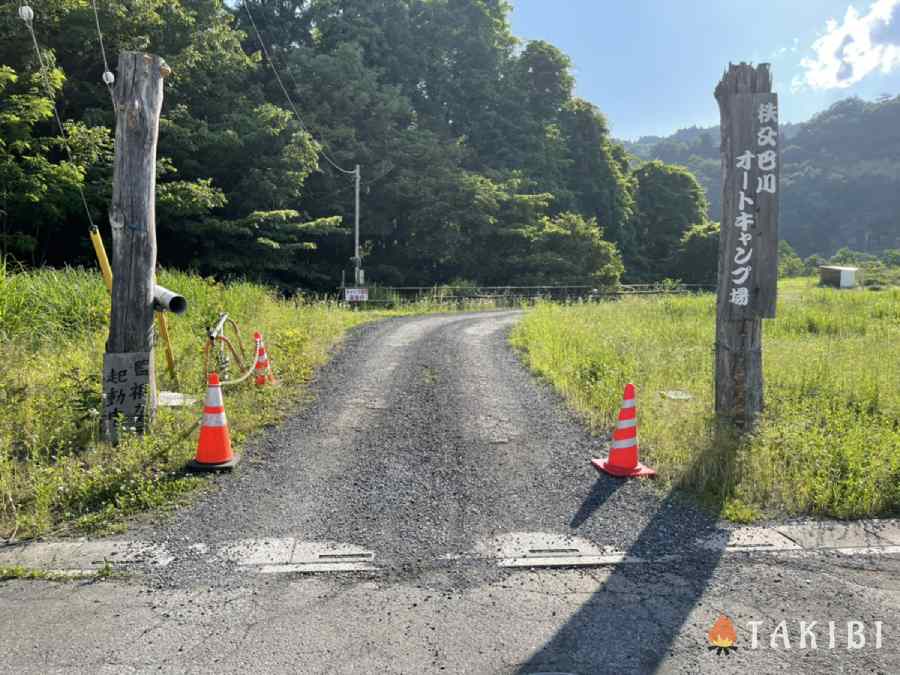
[427,443]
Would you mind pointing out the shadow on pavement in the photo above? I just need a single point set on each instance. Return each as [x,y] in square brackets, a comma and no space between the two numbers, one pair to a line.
[603,489]
[625,627]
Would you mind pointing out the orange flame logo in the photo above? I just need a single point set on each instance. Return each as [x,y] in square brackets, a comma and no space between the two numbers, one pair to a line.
[722,635]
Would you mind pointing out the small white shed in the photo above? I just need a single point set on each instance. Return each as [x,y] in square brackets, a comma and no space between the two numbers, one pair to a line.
[838,276]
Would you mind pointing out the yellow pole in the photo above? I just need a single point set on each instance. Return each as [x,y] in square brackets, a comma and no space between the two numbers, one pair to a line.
[106,273]
[105,269]
[167,343]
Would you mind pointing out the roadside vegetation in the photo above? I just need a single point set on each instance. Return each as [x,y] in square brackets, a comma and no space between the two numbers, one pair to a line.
[32,574]
[828,443]
[36,574]
[56,476]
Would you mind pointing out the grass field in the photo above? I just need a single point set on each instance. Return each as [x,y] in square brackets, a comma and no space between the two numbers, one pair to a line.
[829,441]
[56,476]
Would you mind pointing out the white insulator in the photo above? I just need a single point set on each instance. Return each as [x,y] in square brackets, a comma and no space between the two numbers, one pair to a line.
[108,78]
[26,13]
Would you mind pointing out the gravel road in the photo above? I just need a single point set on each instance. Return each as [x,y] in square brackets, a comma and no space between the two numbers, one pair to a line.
[427,442]
[426,438]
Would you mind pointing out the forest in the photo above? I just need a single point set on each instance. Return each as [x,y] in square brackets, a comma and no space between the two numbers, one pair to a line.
[840,175]
[478,161]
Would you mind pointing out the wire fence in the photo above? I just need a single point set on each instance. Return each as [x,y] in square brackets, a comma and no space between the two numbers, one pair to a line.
[516,295]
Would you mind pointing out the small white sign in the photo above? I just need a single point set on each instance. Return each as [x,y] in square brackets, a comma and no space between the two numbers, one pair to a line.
[356,294]
[127,391]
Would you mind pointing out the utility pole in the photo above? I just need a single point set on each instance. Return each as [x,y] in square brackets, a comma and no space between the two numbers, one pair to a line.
[129,382]
[357,262]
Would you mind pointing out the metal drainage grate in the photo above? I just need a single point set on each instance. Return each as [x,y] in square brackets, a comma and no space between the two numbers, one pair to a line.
[310,557]
[541,549]
[566,558]
[542,552]
[346,556]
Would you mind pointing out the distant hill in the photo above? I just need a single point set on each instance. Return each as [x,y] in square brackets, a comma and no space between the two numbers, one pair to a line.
[840,174]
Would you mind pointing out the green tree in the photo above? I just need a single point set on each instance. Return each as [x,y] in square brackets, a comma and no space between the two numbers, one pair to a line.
[698,255]
[847,256]
[477,161]
[668,202]
[568,249]
[600,188]
[789,263]
[813,262]
[38,182]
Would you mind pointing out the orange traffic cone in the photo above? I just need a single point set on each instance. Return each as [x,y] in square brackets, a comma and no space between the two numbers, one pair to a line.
[262,369]
[623,454]
[214,447]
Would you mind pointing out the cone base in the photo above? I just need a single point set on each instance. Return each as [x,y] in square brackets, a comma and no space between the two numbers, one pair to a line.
[639,471]
[194,465]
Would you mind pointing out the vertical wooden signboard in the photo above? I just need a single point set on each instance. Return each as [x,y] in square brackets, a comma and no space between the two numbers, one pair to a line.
[748,244]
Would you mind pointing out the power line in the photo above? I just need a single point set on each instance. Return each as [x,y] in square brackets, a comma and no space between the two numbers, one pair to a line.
[27,15]
[108,77]
[265,51]
[357,260]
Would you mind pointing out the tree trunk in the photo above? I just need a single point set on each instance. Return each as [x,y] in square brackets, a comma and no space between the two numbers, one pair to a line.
[129,378]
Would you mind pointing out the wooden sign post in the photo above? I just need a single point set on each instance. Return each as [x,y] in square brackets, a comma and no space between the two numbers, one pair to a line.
[129,382]
[748,244]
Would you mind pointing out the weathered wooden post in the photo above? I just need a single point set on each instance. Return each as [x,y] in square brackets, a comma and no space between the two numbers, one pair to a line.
[748,245]
[129,381]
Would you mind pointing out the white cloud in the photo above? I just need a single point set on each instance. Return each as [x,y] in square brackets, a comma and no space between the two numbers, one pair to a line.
[854,48]
[782,51]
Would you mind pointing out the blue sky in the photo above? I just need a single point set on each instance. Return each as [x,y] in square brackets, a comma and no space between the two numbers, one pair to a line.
[651,65]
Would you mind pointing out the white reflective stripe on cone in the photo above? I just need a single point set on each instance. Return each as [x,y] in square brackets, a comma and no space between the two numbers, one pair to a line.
[214,397]
[628,403]
[626,424]
[214,419]
[627,443]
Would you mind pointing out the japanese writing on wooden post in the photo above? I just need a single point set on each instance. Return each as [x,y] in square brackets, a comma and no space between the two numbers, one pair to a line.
[750,231]
[127,391]
[748,245]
